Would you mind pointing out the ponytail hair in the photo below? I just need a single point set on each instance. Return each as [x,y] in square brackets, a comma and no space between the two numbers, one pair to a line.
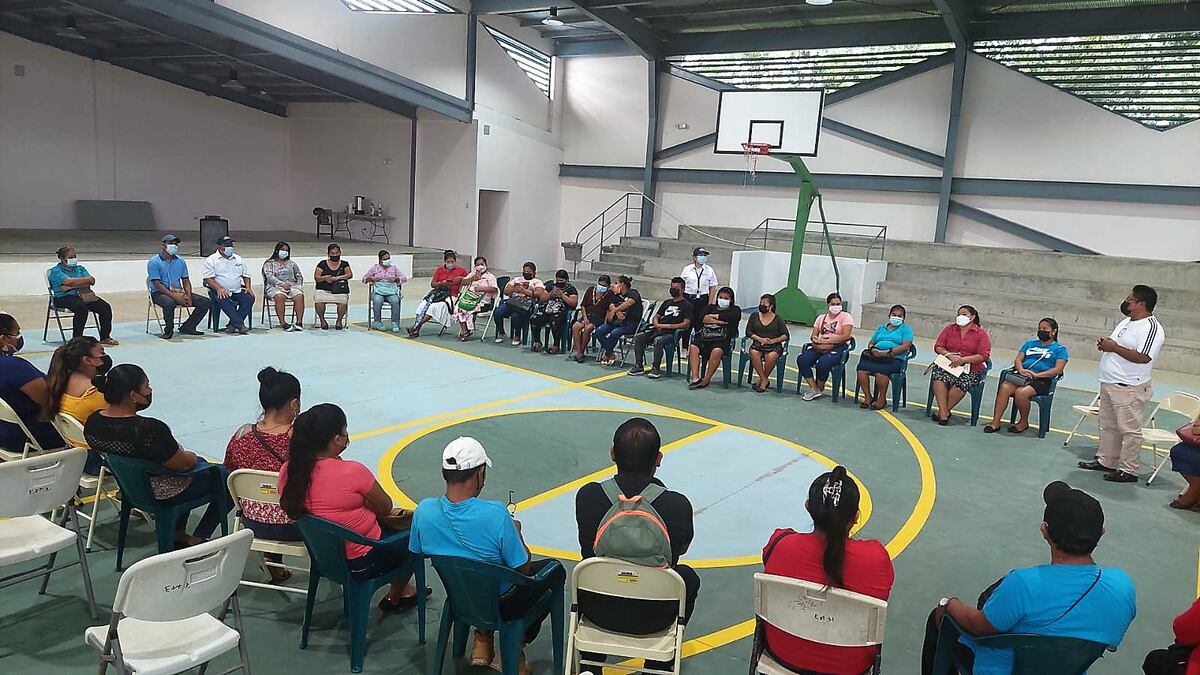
[120,382]
[833,504]
[65,361]
[312,432]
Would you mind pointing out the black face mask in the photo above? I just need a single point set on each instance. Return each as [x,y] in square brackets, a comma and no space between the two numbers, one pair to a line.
[675,292]
[142,406]
[105,365]
[334,258]
[763,309]
[527,275]
[1044,335]
[1125,307]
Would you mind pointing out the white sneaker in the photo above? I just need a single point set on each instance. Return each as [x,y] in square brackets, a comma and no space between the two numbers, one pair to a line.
[812,394]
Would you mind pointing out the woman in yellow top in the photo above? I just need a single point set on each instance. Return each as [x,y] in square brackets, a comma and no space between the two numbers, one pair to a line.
[69,379]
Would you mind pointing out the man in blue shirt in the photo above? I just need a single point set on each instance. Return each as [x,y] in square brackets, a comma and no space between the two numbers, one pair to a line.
[463,526]
[1070,597]
[170,287]
[71,290]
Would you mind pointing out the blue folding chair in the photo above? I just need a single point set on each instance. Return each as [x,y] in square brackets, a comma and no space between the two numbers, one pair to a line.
[1044,404]
[1032,654]
[473,599]
[899,381]
[976,395]
[780,365]
[133,478]
[837,375]
[326,544]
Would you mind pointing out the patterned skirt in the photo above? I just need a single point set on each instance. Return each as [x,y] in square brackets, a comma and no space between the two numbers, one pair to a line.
[967,381]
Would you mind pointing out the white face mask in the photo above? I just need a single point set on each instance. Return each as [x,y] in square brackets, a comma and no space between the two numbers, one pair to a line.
[387,262]
[962,319]
[172,249]
[834,310]
[283,255]
[481,268]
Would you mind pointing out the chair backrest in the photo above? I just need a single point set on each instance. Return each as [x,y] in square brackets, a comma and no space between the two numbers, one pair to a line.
[184,583]
[473,589]
[819,613]
[7,414]
[133,477]
[1039,654]
[1180,403]
[70,429]
[647,313]
[618,579]
[46,276]
[40,484]
[326,544]
[252,485]
[501,284]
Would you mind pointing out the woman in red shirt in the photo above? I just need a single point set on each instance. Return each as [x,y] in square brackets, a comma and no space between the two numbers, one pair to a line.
[965,343]
[264,446]
[828,556]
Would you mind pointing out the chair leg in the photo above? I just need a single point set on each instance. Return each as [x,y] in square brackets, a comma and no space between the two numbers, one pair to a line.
[509,643]
[164,530]
[439,651]
[1074,430]
[95,509]
[237,625]
[780,365]
[419,573]
[83,563]
[122,529]
[49,569]
[461,632]
[360,610]
[314,580]
[1043,418]
[1160,465]
[558,630]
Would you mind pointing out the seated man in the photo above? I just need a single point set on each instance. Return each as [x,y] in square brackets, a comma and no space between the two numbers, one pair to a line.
[624,316]
[227,276]
[672,315]
[71,287]
[464,526]
[1070,597]
[593,310]
[170,287]
[636,450]
[557,301]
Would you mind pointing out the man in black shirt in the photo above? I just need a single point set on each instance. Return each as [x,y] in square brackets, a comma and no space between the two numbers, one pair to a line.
[636,452]
[672,315]
[558,301]
[624,315]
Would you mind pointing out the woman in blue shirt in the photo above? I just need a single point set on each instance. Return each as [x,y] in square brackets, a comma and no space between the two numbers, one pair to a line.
[1037,364]
[884,356]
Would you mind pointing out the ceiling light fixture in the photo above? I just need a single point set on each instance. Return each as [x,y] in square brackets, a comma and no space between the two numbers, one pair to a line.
[553,19]
[821,3]
[232,82]
[69,31]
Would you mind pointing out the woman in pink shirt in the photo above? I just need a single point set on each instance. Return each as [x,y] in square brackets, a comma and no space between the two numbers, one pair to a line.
[965,343]
[386,280]
[317,481]
[830,340]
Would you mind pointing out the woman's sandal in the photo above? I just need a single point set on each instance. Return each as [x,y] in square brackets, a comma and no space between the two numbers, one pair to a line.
[404,603]
[1176,504]
[989,429]
[278,575]
[1016,430]
[878,406]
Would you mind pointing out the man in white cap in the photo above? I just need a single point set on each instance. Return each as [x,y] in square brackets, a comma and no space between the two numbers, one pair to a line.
[461,525]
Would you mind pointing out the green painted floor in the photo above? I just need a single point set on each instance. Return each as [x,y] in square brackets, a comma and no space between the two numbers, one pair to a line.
[544,429]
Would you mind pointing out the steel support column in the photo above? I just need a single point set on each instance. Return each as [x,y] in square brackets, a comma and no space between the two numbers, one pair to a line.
[649,172]
[472,57]
[956,93]
[412,183]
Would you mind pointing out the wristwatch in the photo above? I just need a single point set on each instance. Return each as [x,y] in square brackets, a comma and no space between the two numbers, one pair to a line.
[943,602]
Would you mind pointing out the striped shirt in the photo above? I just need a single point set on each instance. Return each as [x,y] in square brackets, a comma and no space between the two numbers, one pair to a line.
[1145,336]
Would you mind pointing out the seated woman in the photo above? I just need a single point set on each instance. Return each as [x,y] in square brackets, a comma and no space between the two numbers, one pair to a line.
[828,556]
[317,481]
[443,289]
[71,390]
[482,288]
[285,282]
[24,388]
[594,304]
[830,338]
[518,305]
[964,343]
[557,302]
[767,332]
[1038,362]
[1185,458]
[718,329]
[263,446]
[120,430]
[884,356]
[386,280]
[333,275]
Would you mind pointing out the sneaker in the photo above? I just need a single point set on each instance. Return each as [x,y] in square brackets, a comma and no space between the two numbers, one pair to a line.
[297,328]
[637,370]
[516,343]
[190,331]
[285,327]
[654,374]
[395,328]
[1121,477]
[811,395]
[378,325]
[167,335]
[499,338]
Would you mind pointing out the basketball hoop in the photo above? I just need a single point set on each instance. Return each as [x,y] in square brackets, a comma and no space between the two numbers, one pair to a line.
[753,151]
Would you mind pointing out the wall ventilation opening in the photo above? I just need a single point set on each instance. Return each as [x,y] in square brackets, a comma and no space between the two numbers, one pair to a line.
[537,65]
[400,6]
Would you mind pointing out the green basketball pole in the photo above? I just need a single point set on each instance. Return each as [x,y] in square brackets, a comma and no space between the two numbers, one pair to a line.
[791,302]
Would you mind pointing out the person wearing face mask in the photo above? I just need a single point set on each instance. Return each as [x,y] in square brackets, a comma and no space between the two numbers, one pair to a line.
[673,314]
[624,317]
[1126,362]
[594,306]
[25,389]
[264,446]
[1038,362]
[884,356]
[699,284]
[557,302]
[714,338]
[964,343]
[767,332]
[121,430]
[462,525]
[333,277]
[170,287]
[482,288]
[285,281]
[829,342]
[522,295]
[387,280]
[72,368]
[226,275]
[71,288]
[444,288]
[317,481]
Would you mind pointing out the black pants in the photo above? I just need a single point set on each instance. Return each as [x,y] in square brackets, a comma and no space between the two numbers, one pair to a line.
[621,619]
[554,322]
[200,308]
[519,599]
[929,649]
[76,305]
[660,338]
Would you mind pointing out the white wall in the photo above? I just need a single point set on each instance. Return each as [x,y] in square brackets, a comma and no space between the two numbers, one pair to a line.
[446,197]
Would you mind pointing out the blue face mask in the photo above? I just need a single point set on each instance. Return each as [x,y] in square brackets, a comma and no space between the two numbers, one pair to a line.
[702,259]
[386,262]
[71,262]
[228,252]
[172,249]
[601,289]
[723,303]
[896,321]
[283,255]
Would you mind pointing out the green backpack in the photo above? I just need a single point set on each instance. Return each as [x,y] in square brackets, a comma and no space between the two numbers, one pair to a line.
[632,530]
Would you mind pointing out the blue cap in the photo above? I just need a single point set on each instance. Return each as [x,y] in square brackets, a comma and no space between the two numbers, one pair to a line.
[170,239]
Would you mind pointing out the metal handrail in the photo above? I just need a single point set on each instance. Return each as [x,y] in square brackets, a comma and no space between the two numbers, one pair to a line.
[604,226]
[762,232]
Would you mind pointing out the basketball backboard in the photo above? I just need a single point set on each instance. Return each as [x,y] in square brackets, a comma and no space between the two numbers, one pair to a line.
[788,120]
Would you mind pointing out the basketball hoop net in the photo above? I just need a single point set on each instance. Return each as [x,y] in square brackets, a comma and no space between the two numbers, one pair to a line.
[752,152]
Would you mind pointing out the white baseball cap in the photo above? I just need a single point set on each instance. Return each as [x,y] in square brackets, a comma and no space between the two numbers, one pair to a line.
[464,453]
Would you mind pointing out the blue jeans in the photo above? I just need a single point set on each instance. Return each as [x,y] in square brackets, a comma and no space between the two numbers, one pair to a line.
[203,485]
[392,300]
[822,361]
[609,335]
[519,320]
[238,307]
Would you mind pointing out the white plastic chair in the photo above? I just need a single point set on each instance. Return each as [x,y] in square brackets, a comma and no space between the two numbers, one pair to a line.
[1180,403]
[28,488]
[814,612]
[161,623]
[260,486]
[619,579]
[1085,411]
[72,431]
[31,448]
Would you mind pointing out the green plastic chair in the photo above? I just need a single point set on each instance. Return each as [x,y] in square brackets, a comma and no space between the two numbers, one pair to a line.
[1032,654]
[133,477]
[473,599]
[1043,403]
[326,544]
[501,283]
[899,383]
[837,376]
[976,395]
[780,365]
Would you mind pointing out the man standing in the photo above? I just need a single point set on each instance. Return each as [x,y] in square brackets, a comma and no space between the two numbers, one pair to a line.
[699,283]
[170,287]
[71,287]
[1125,365]
[672,315]
[226,275]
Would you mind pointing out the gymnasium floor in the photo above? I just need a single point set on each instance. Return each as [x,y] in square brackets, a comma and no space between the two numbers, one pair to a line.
[955,508]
